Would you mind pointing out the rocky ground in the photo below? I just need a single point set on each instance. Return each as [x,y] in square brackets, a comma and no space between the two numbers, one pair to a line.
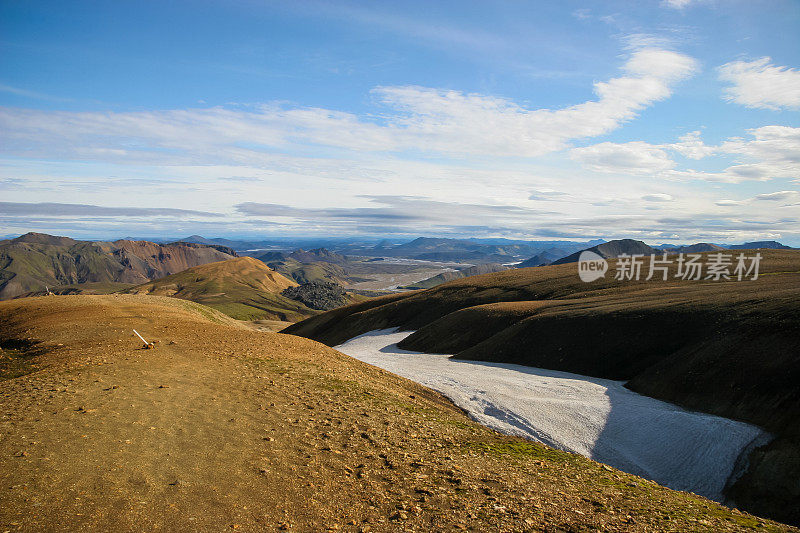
[221,427]
[319,295]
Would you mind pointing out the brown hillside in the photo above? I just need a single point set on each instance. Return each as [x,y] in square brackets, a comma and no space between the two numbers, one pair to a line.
[243,288]
[224,428]
[148,260]
[730,348]
[223,272]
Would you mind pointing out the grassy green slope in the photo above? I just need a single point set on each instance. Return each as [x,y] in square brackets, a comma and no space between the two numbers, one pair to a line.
[243,288]
[308,272]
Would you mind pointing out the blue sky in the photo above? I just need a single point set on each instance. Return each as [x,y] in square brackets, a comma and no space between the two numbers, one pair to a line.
[667,121]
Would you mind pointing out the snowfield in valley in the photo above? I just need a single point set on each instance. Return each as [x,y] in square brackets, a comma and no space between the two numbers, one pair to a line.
[597,418]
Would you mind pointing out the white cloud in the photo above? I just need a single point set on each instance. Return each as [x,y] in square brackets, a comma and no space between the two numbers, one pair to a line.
[658,197]
[637,41]
[453,122]
[676,4]
[629,158]
[778,196]
[582,14]
[29,94]
[690,145]
[548,195]
[760,84]
[772,153]
[421,119]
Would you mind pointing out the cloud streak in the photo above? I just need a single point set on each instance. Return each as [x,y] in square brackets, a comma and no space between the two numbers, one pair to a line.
[398,209]
[19,209]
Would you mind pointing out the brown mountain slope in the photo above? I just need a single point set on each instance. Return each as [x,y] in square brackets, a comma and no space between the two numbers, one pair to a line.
[730,348]
[34,261]
[243,288]
[224,428]
[148,260]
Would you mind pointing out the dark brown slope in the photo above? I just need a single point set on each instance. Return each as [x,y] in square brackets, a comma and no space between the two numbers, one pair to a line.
[728,348]
[415,310]
[221,428]
[656,334]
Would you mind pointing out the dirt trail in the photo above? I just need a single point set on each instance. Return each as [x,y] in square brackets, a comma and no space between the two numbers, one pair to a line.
[225,428]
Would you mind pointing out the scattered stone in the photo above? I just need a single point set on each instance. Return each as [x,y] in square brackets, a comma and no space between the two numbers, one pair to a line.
[318,295]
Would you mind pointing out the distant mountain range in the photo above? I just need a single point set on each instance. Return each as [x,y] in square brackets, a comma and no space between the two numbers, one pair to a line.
[34,261]
[473,251]
[421,248]
[620,247]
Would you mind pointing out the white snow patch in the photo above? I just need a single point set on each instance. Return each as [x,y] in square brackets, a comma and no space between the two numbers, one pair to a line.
[597,418]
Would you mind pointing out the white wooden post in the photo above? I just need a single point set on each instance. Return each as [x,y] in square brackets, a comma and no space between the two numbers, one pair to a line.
[144,341]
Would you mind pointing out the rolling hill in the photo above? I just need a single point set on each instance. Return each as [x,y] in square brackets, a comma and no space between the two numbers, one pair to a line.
[319,271]
[695,248]
[611,249]
[759,245]
[444,277]
[224,428]
[243,288]
[729,348]
[33,261]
